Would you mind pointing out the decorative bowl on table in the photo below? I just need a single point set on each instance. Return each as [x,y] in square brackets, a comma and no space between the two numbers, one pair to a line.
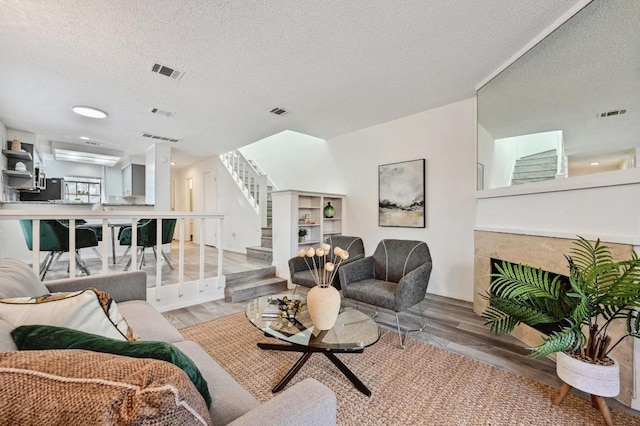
[289,307]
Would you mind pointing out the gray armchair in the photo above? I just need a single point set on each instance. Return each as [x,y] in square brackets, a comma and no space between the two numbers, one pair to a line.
[299,268]
[395,277]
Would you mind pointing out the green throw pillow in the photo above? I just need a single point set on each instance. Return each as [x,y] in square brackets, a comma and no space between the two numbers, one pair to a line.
[43,337]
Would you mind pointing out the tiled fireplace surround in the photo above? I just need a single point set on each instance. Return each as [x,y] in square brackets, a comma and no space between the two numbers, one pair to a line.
[547,253]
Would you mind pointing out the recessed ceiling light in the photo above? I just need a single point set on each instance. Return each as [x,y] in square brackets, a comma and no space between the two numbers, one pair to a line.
[173,163]
[595,163]
[88,111]
[84,138]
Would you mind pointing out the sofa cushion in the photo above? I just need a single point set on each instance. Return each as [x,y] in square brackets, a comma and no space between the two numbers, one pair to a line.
[44,337]
[82,387]
[91,310]
[148,323]
[17,279]
[229,399]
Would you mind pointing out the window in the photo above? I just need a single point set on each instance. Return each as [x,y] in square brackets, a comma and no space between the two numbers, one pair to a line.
[82,189]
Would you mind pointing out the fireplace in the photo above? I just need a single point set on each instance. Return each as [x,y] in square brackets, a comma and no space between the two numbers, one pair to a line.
[546,253]
[546,328]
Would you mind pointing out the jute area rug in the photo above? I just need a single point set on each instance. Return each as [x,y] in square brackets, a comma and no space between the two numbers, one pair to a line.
[422,385]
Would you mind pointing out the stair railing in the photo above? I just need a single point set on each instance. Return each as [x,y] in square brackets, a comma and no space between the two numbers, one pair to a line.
[251,180]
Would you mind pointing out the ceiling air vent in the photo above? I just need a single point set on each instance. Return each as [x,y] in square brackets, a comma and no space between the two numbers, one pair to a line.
[159,138]
[612,113]
[279,111]
[167,71]
[163,112]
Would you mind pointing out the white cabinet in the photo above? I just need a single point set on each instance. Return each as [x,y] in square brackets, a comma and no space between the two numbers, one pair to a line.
[133,179]
[294,211]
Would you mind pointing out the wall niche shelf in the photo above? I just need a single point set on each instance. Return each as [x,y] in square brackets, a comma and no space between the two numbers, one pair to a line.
[19,155]
[16,173]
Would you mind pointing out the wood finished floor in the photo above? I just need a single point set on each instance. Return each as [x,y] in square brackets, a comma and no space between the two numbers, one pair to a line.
[451,324]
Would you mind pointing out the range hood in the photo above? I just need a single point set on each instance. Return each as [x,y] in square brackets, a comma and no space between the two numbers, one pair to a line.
[85,154]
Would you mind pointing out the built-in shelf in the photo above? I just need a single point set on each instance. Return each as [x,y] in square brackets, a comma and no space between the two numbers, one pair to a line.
[20,155]
[292,212]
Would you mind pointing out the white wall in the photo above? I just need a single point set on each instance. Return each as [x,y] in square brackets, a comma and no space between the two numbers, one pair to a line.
[570,207]
[445,137]
[294,160]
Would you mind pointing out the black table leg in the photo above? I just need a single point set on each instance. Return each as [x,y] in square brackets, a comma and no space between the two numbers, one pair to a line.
[348,373]
[307,351]
[292,372]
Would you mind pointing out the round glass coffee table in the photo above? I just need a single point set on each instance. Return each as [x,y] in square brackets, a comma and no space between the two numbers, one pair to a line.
[352,332]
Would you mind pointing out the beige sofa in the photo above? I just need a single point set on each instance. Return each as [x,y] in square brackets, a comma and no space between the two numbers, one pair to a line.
[306,403]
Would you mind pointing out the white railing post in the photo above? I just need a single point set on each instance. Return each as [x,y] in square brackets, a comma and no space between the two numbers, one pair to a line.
[35,242]
[201,278]
[158,253]
[263,188]
[72,248]
[220,250]
[134,244]
[181,258]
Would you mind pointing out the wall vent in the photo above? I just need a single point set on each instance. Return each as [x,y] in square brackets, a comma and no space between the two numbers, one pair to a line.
[163,112]
[167,71]
[279,111]
[612,113]
[159,138]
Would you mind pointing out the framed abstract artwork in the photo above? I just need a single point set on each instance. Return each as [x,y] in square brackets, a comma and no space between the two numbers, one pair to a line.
[401,194]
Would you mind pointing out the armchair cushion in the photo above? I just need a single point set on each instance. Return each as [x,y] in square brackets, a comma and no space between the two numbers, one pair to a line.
[373,292]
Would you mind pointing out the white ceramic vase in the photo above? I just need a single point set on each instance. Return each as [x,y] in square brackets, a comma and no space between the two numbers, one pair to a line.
[324,306]
[601,380]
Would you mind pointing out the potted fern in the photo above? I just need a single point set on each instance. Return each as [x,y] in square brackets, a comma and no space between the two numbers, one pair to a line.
[599,291]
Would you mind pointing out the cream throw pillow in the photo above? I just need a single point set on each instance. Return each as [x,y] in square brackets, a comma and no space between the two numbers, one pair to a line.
[91,310]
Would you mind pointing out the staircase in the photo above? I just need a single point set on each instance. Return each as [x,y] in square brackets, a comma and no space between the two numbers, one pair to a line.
[535,168]
[256,187]
[264,252]
[250,284]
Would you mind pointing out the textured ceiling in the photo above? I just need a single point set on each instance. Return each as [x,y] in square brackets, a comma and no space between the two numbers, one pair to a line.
[337,66]
[587,66]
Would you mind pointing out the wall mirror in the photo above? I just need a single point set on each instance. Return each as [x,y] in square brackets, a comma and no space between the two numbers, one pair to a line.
[569,106]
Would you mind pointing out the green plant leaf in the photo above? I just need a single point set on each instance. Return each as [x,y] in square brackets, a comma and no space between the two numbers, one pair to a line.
[566,339]
[499,322]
